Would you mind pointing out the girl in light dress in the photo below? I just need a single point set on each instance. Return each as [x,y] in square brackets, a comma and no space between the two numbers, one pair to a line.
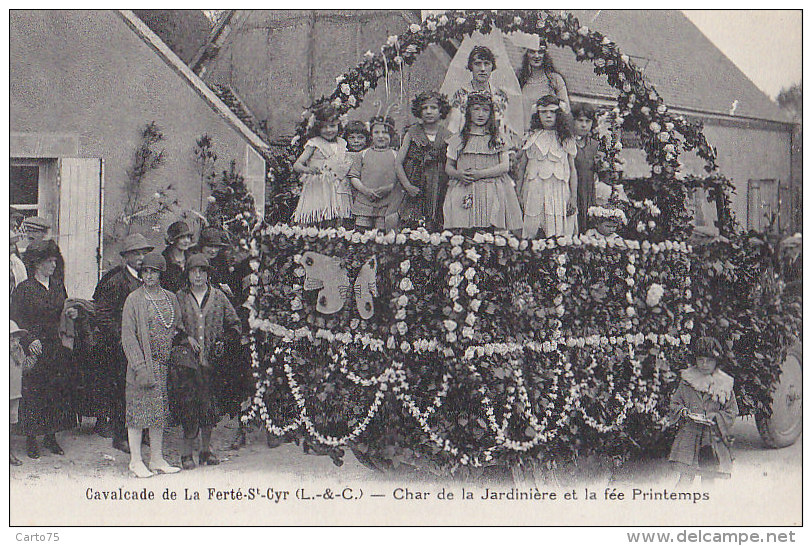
[422,160]
[326,196]
[549,181]
[480,192]
[378,184]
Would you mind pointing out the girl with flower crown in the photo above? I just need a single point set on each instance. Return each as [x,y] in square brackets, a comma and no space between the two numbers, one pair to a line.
[377,182]
[480,193]
[422,160]
[549,181]
[326,196]
[704,405]
[607,214]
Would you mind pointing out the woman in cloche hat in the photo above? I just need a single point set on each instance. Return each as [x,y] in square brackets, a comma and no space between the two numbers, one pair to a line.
[149,323]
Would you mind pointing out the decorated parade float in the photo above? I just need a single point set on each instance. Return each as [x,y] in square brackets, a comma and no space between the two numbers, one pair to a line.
[454,353]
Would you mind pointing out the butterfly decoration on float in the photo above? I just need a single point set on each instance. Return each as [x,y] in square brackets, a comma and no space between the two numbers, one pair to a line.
[326,274]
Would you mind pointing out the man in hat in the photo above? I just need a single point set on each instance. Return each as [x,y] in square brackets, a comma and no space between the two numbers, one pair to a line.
[109,296]
[179,241]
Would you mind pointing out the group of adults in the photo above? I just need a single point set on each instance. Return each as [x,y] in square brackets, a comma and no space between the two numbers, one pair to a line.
[134,320]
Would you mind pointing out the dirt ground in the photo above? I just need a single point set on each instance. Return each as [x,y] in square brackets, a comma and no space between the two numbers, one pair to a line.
[770,478]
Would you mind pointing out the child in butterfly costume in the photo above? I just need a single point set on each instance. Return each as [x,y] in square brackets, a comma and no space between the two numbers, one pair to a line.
[326,196]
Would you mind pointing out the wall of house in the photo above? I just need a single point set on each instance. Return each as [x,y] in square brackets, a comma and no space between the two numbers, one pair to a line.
[88,76]
[745,152]
[279,61]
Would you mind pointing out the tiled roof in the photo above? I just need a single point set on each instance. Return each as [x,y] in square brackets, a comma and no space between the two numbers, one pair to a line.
[685,67]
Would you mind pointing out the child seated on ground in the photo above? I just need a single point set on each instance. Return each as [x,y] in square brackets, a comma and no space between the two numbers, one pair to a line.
[374,176]
[19,363]
[704,405]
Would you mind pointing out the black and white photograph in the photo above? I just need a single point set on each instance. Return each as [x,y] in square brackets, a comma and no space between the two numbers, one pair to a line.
[406,267]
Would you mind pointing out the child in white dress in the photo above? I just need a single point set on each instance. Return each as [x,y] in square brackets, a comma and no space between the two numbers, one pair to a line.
[546,166]
[326,196]
[480,194]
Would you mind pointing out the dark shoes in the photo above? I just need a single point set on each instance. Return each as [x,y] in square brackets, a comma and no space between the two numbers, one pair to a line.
[121,445]
[103,428]
[208,458]
[239,441]
[187,462]
[145,438]
[13,461]
[50,442]
[32,448]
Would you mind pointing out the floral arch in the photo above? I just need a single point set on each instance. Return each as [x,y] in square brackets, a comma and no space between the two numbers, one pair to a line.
[639,108]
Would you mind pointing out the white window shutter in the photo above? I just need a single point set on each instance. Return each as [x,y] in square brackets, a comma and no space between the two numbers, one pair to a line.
[80,223]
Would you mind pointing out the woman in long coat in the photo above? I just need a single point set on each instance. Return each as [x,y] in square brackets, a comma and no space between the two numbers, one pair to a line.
[50,387]
[149,323]
[212,325]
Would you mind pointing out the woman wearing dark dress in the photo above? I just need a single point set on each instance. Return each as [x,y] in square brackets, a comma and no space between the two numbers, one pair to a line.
[49,388]
[583,119]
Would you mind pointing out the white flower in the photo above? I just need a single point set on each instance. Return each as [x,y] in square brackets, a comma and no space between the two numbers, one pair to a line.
[645,110]
[442,20]
[470,273]
[661,109]
[454,293]
[456,251]
[352,100]
[455,268]
[435,239]
[517,20]
[513,243]
[641,226]
[631,269]
[403,301]
[451,337]
[369,54]
[460,20]
[431,25]
[561,271]
[337,102]
[450,325]
[499,240]
[402,328]
[472,255]
[392,40]
[296,304]
[398,60]
[400,238]
[561,259]
[404,347]
[472,290]
[295,317]
[457,240]
[458,308]
[401,314]
[470,318]
[345,88]
[468,332]
[654,126]
[414,28]
[630,311]
[406,284]
[474,305]
[654,294]
[404,266]
[651,224]
[688,294]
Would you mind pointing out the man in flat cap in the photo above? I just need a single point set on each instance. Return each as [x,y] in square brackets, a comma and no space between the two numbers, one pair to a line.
[110,294]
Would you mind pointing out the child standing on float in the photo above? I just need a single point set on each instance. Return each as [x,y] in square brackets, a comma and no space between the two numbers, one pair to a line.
[422,160]
[375,178]
[480,192]
[704,405]
[549,181]
[326,197]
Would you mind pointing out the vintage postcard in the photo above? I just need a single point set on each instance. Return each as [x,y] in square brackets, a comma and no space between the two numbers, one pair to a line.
[405,267]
